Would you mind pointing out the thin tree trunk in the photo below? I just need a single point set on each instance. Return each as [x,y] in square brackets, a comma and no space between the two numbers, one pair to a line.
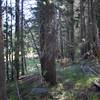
[22,41]
[7,64]
[3,95]
[11,38]
[72,28]
[82,25]
[17,45]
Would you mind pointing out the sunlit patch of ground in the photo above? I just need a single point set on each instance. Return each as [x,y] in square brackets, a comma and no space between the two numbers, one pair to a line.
[73,84]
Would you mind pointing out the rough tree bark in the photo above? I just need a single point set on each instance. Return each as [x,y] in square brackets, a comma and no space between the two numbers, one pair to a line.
[48,42]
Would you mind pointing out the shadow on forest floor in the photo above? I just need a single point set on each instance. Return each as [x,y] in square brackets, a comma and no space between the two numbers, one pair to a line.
[73,84]
[77,85]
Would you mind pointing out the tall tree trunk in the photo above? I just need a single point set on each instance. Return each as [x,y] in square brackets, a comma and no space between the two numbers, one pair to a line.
[88,24]
[11,39]
[7,64]
[17,45]
[91,23]
[72,28]
[82,25]
[48,42]
[22,41]
[94,23]
[3,95]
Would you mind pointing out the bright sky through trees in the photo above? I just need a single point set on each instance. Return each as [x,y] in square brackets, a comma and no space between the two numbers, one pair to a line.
[27,5]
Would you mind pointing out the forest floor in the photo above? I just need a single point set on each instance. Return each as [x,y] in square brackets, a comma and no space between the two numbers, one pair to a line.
[75,82]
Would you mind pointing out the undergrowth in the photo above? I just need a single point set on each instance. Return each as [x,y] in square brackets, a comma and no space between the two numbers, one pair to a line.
[72,85]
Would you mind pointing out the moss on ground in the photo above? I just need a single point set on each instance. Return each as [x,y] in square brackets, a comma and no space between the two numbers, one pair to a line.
[73,84]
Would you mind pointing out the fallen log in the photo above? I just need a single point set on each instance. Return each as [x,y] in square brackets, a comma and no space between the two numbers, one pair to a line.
[96,83]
